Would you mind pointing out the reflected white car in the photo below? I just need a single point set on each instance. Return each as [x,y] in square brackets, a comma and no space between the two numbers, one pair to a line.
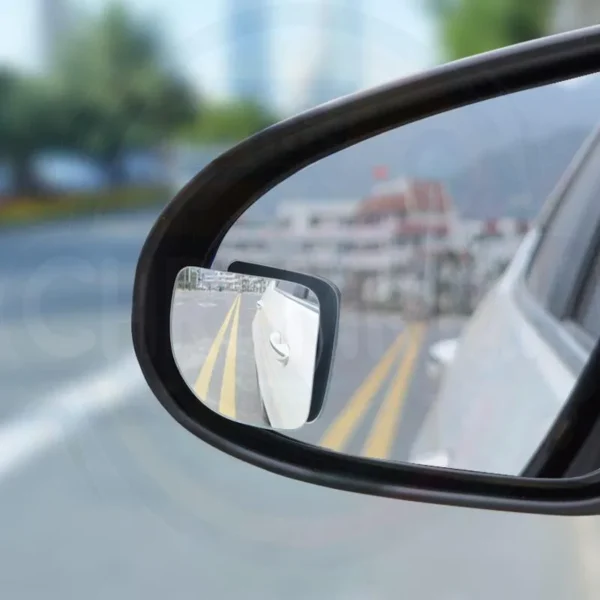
[285,332]
[521,352]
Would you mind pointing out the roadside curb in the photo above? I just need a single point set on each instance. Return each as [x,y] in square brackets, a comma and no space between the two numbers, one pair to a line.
[18,218]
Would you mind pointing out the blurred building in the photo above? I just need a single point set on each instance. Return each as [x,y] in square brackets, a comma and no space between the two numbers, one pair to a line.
[212,280]
[185,161]
[249,55]
[207,279]
[574,14]
[56,19]
[338,67]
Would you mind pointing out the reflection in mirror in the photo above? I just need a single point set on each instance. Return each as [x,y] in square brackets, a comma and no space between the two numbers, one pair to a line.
[416,227]
[246,346]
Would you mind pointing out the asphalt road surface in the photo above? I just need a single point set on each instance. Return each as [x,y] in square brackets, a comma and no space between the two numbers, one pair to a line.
[211,333]
[103,495]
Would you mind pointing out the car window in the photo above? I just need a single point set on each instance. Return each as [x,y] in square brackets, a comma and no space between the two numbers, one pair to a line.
[297,291]
[587,309]
[553,273]
[310,297]
[286,286]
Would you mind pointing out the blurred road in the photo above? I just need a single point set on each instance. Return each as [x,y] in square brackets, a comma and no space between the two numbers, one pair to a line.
[102,495]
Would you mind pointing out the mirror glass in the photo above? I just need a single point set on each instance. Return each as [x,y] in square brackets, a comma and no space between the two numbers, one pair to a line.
[441,358]
[246,346]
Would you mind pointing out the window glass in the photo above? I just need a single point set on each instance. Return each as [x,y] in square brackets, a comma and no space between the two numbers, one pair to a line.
[312,298]
[587,310]
[286,286]
[298,291]
[554,259]
[301,291]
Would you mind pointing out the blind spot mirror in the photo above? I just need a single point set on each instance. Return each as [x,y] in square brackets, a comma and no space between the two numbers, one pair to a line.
[246,345]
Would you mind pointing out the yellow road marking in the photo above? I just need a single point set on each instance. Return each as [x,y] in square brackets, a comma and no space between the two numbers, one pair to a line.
[203,382]
[379,442]
[227,402]
[342,428]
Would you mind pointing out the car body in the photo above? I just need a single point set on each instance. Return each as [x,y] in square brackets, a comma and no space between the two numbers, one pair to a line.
[520,354]
[285,333]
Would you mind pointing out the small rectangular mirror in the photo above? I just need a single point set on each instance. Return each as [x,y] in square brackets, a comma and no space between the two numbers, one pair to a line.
[246,346]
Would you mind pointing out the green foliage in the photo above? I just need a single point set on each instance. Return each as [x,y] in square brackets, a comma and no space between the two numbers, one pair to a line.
[473,26]
[113,89]
[118,90]
[26,124]
[24,210]
[228,122]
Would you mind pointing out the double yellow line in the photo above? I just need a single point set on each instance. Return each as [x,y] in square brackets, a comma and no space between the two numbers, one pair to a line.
[380,440]
[202,385]
[383,432]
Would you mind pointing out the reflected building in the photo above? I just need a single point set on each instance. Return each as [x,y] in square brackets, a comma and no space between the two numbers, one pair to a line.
[391,248]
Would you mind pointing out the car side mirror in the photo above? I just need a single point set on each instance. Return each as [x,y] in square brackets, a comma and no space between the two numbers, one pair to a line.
[189,242]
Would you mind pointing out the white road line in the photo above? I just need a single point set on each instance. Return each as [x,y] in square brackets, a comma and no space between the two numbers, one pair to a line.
[64,411]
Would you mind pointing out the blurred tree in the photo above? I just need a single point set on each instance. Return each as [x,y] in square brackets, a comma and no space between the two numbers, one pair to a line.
[118,88]
[472,26]
[26,127]
[113,90]
[228,122]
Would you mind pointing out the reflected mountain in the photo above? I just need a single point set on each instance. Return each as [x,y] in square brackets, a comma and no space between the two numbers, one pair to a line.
[500,157]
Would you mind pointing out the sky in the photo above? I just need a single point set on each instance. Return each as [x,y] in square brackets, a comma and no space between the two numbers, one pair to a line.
[399,39]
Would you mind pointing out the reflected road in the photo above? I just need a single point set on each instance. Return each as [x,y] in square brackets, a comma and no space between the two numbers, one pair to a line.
[212,342]
[378,379]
